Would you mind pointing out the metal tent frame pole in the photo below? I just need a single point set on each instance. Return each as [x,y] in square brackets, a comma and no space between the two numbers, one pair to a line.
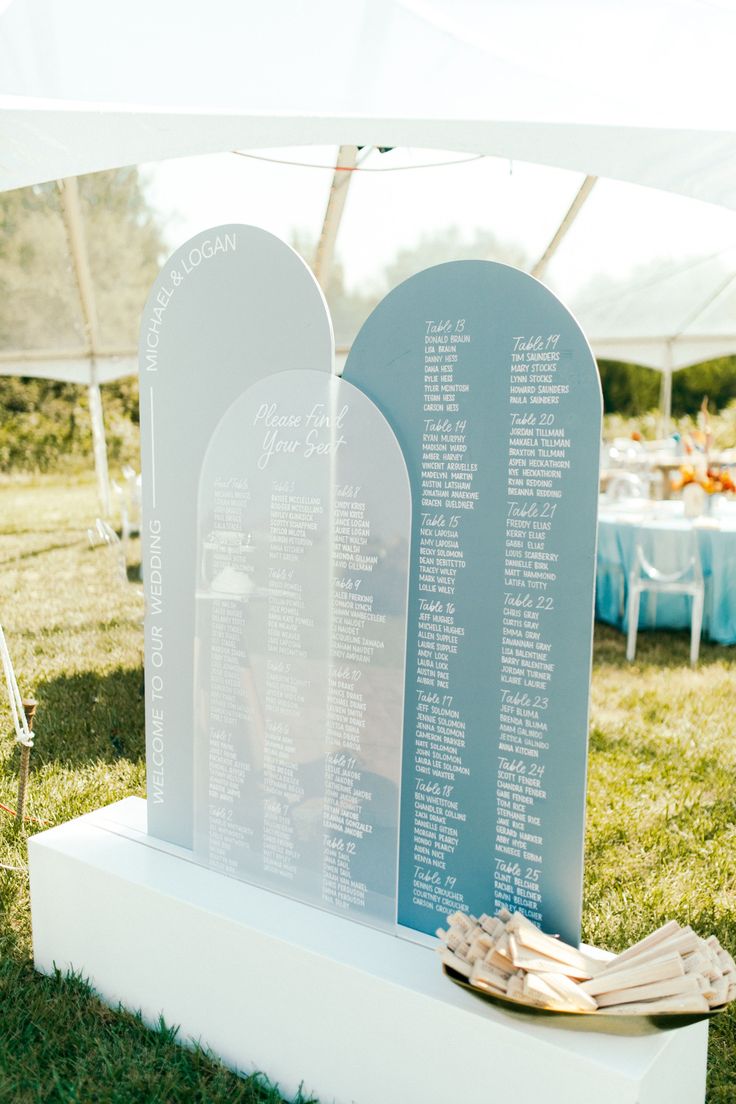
[347,159]
[99,444]
[665,392]
[80,257]
[573,211]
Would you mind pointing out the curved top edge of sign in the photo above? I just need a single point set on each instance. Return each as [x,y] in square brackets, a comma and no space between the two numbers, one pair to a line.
[332,380]
[487,266]
[254,233]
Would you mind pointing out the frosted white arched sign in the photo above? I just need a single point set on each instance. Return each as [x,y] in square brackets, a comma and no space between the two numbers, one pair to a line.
[301,590]
[233,305]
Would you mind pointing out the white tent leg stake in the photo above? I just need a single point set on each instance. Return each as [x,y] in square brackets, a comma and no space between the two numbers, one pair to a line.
[29,709]
[22,712]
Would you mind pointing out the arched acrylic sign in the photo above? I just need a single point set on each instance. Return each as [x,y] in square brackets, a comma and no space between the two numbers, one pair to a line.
[334,567]
[231,306]
[301,583]
[493,393]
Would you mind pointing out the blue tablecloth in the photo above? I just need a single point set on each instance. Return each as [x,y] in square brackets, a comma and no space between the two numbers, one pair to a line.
[617,529]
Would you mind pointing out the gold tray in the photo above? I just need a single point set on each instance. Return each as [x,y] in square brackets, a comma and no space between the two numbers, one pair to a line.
[616,1023]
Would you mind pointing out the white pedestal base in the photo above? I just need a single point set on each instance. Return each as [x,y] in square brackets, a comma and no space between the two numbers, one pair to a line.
[269,984]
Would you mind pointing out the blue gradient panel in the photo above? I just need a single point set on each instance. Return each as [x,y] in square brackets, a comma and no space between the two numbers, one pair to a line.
[493,394]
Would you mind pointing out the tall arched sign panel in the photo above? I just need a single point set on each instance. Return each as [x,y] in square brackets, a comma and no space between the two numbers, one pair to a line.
[493,393]
[231,306]
[276,536]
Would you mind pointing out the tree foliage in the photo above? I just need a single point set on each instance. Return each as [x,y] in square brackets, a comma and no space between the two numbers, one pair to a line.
[350,308]
[628,388]
[45,423]
[715,378]
[631,390]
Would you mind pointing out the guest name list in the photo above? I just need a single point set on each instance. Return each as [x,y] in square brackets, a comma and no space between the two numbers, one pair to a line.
[448,496]
[496,404]
[538,463]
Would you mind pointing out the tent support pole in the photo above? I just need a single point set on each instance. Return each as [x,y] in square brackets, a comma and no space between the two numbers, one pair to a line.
[80,256]
[99,443]
[573,211]
[665,395]
[347,159]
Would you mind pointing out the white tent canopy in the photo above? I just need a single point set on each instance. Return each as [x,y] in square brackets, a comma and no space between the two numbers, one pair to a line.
[637,91]
[76,367]
[632,91]
[667,318]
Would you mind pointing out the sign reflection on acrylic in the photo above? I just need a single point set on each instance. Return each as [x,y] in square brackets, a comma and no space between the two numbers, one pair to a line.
[293,540]
[301,637]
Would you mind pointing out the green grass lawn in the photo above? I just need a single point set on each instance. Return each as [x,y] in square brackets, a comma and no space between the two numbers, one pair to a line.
[661,837]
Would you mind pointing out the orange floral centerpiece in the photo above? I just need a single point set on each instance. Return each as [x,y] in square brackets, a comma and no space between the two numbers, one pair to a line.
[714,481]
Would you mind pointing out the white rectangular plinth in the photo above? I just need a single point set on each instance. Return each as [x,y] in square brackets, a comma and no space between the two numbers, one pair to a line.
[356,1015]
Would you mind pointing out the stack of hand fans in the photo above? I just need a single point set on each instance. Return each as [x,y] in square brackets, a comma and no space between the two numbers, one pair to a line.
[672,970]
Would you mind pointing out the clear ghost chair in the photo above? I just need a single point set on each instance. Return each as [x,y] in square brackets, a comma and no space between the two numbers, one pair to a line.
[103,533]
[133,488]
[626,485]
[632,455]
[128,499]
[129,503]
[664,566]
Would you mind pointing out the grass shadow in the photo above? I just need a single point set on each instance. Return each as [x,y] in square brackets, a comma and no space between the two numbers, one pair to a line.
[90,717]
[655,648]
[133,573]
[35,552]
[87,631]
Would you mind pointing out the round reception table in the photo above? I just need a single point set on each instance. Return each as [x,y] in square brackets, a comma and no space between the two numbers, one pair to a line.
[618,525]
